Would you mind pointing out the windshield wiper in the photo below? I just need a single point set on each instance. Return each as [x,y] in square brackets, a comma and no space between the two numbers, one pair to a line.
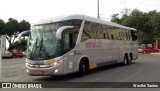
[33,48]
[44,49]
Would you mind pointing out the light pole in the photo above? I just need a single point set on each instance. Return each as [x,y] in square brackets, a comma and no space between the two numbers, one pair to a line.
[98,9]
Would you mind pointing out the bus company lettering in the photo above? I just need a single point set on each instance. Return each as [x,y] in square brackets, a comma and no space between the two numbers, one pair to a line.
[26,85]
[90,45]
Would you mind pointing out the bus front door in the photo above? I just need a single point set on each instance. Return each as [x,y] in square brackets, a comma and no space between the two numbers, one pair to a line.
[68,45]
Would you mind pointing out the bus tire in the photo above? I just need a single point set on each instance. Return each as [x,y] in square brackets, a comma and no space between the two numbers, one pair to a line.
[130,59]
[125,60]
[83,68]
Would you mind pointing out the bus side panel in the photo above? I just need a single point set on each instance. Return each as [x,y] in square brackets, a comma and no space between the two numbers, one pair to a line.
[80,54]
[68,62]
[109,56]
[81,51]
[72,60]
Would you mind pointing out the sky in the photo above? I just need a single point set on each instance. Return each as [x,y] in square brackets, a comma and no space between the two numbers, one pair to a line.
[35,10]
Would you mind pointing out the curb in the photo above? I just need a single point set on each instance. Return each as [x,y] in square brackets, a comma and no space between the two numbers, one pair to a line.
[155,53]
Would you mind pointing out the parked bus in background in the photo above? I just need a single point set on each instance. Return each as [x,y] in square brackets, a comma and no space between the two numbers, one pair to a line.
[78,43]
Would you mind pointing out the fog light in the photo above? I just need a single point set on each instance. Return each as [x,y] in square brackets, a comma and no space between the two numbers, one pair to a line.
[27,71]
[55,71]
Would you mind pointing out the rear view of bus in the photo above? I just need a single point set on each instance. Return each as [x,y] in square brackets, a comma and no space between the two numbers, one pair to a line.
[60,46]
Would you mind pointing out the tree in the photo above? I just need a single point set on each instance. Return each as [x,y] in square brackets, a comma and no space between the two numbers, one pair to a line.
[135,19]
[116,19]
[12,27]
[24,25]
[2,27]
[19,46]
[147,24]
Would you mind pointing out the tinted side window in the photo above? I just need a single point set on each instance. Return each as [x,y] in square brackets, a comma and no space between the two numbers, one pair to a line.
[68,41]
[134,35]
[92,31]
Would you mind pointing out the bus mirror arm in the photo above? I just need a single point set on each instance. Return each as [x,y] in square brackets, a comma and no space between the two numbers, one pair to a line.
[22,34]
[60,30]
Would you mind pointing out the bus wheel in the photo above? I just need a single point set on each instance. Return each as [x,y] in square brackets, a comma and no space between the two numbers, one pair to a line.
[125,60]
[83,68]
[130,59]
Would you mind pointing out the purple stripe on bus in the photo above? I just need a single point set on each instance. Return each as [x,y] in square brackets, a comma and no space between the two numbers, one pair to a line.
[106,63]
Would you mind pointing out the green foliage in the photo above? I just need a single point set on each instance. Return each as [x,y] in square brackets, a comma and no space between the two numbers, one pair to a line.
[115,18]
[147,24]
[12,28]
[2,26]
[24,25]
[19,46]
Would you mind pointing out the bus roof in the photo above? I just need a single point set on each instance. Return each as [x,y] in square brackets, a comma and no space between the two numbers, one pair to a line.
[81,17]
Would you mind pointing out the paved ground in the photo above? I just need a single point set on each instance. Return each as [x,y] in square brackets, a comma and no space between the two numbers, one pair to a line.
[145,69]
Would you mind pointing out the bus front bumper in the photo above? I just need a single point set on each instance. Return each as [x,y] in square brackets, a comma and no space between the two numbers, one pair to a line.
[37,70]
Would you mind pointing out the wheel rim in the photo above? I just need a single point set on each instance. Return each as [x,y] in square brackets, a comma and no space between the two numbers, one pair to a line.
[125,61]
[83,68]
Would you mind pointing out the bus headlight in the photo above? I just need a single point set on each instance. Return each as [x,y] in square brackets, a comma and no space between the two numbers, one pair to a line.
[55,71]
[56,63]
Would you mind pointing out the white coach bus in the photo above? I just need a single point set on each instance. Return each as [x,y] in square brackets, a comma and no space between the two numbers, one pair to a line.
[78,43]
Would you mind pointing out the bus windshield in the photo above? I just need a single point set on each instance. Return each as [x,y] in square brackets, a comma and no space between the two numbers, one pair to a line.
[42,43]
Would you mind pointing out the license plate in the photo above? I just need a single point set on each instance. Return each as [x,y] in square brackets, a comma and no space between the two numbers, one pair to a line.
[39,72]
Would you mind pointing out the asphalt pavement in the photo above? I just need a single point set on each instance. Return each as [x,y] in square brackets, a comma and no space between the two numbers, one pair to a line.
[145,69]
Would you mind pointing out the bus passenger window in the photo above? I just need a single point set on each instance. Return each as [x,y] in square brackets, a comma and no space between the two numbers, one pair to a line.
[112,37]
[104,35]
[85,36]
[68,42]
[107,36]
[75,35]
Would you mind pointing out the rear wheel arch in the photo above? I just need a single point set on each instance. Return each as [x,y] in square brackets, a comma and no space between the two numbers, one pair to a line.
[131,55]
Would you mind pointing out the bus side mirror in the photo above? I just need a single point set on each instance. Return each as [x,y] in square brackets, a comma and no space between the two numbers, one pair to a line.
[20,35]
[60,30]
